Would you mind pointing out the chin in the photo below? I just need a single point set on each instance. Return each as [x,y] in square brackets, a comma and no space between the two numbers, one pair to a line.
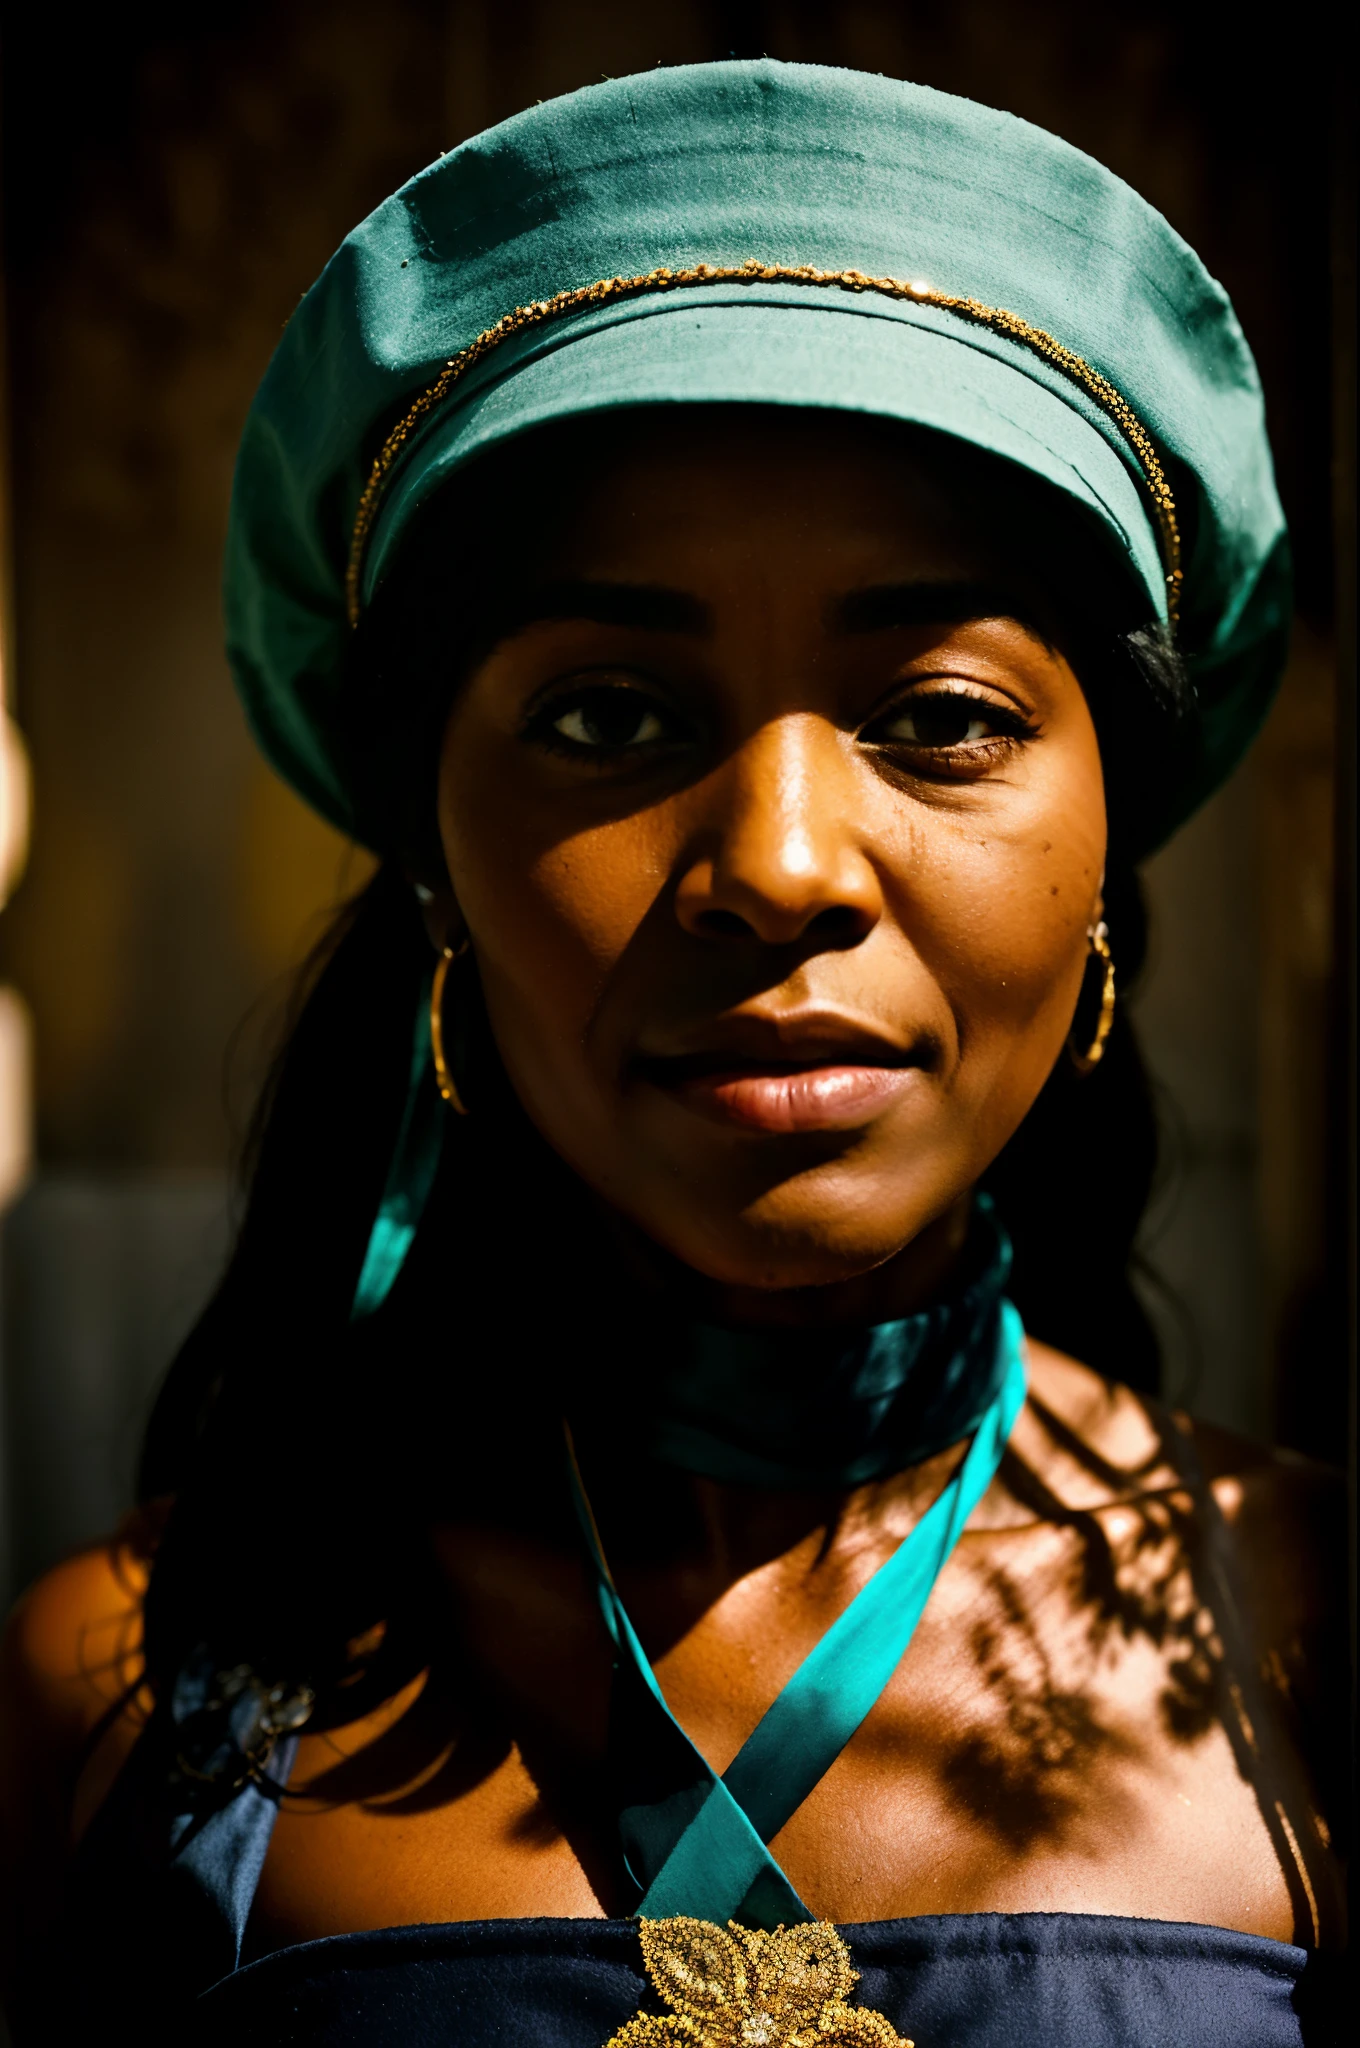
[798,1235]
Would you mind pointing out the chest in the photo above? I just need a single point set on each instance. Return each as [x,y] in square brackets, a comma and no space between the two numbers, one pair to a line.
[1063,1734]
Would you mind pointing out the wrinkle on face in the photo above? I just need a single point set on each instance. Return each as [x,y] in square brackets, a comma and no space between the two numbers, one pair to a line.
[777,857]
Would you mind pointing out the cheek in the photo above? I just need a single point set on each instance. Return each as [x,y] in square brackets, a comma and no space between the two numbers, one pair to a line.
[999,909]
[1008,921]
[550,920]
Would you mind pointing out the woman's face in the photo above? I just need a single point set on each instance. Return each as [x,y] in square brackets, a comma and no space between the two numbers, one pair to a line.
[778,824]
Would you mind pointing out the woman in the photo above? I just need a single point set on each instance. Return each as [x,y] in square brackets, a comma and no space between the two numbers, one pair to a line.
[614,1567]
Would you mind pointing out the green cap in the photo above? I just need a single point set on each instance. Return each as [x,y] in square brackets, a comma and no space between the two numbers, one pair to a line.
[773,234]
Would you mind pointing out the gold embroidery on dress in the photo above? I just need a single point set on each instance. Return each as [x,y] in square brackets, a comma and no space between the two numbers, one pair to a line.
[738,1987]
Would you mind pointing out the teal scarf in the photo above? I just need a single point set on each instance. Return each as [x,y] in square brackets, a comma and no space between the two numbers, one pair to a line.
[694,1842]
[811,1408]
[782,1410]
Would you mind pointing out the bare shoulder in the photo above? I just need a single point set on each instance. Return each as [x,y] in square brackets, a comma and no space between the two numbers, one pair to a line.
[1287,1515]
[1094,1441]
[1097,1445]
[1108,1441]
[71,1650]
[1267,1492]
[70,1669]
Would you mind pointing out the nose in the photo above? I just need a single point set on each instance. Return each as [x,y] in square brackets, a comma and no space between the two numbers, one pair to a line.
[780,861]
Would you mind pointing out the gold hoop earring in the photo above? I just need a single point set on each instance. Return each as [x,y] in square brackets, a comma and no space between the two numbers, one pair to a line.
[1086,1062]
[448,1087]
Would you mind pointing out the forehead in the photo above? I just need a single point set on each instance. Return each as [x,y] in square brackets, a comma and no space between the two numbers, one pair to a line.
[722,487]
[740,507]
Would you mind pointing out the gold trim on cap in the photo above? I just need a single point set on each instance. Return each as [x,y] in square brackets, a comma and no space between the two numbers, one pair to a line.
[1110,400]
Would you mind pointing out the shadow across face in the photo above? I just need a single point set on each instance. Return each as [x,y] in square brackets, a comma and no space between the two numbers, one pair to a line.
[775,814]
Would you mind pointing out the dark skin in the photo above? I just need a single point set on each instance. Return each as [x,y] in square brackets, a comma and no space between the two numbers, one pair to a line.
[777,825]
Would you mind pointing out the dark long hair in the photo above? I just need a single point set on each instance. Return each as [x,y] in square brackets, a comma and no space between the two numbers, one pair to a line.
[305,1454]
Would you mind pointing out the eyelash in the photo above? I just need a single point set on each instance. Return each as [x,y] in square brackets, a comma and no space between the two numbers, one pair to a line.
[541,726]
[1011,727]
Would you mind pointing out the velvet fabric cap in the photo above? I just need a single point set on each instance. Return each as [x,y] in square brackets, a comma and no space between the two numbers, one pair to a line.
[756,232]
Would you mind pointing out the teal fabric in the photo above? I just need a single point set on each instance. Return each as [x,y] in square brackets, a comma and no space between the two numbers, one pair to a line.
[778,344]
[700,1847]
[410,1176]
[810,1408]
[789,164]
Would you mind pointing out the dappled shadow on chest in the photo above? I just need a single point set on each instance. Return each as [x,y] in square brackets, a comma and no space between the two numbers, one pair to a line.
[1050,1650]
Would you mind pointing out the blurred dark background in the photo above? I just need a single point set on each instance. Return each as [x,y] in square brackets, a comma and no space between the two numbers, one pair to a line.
[173,179]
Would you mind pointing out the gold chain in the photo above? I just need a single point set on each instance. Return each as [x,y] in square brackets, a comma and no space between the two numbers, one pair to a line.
[1110,400]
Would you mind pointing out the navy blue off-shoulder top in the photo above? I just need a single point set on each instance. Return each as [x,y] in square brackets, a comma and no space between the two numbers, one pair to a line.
[157,1921]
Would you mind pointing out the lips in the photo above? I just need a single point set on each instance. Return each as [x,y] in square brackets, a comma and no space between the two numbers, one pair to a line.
[786,1075]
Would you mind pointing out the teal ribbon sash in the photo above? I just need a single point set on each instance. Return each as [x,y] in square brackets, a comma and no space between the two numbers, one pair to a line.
[415,1161]
[693,1842]
[699,1847]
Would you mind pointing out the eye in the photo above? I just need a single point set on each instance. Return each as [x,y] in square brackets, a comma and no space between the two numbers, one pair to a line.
[602,719]
[609,718]
[945,719]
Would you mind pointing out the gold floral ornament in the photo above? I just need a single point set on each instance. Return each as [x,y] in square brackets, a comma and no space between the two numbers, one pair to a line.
[738,1987]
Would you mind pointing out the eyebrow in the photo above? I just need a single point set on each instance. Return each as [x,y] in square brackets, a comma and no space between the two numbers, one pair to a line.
[889,605]
[649,607]
[654,608]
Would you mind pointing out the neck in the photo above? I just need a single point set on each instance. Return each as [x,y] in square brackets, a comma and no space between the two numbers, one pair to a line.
[700,1413]
[735,1530]
[910,1280]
